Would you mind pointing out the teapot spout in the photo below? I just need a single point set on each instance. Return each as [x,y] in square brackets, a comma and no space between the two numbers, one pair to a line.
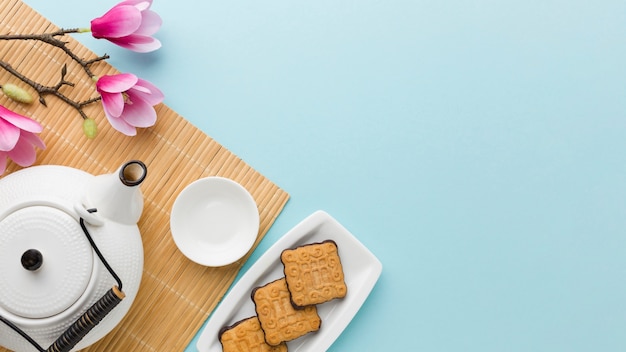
[133,173]
[117,197]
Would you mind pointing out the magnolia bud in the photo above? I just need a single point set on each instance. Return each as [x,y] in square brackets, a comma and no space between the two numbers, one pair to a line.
[16,93]
[90,128]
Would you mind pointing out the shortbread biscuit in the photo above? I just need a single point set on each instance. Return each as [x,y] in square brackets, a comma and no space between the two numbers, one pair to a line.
[314,273]
[279,320]
[246,336]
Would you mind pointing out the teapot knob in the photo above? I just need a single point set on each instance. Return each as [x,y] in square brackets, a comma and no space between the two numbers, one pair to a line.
[32,260]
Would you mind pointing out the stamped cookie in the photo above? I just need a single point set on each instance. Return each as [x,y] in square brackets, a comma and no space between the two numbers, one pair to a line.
[246,336]
[314,273]
[279,320]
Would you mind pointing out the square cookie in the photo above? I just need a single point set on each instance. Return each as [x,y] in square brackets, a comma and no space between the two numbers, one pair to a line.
[314,273]
[246,336]
[279,320]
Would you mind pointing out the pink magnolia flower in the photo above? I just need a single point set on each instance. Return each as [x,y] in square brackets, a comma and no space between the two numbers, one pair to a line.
[128,101]
[18,139]
[129,24]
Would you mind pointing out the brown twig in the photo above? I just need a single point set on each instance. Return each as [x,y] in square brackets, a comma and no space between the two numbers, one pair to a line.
[54,90]
[53,38]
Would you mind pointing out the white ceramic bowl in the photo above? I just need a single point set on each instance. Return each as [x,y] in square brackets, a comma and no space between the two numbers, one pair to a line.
[214,221]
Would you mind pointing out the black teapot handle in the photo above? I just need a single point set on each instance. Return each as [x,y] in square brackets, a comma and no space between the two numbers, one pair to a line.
[92,317]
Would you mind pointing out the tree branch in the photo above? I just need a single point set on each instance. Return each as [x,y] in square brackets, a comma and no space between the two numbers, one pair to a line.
[52,39]
[43,90]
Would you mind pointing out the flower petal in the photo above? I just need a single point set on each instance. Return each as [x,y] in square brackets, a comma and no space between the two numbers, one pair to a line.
[119,124]
[3,162]
[148,92]
[113,104]
[23,154]
[116,83]
[9,135]
[33,139]
[20,121]
[150,23]
[119,21]
[137,43]
[143,5]
[139,113]
[137,2]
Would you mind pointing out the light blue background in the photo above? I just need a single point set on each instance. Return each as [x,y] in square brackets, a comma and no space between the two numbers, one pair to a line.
[476,147]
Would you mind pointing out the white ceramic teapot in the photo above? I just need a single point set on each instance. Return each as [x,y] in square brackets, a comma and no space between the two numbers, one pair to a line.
[71,255]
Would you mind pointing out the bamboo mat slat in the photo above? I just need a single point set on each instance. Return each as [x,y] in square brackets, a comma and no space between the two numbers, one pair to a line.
[176,154]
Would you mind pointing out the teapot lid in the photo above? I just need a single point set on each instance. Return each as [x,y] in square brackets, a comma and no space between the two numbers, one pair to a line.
[45,260]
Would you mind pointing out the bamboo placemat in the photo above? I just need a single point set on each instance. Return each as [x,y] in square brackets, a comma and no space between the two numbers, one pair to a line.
[176,295]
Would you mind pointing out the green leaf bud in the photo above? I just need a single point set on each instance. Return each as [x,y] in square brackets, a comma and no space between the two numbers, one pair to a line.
[17,93]
[90,128]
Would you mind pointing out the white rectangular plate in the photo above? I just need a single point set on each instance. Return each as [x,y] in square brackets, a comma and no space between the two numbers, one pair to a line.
[361,270]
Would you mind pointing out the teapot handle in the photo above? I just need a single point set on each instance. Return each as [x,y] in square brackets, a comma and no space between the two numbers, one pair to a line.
[92,317]
[92,218]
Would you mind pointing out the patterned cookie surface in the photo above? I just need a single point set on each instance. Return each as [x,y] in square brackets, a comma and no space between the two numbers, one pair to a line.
[246,336]
[314,273]
[279,320]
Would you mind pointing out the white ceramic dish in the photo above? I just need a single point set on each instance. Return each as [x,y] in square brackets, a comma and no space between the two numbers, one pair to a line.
[214,221]
[361,270]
